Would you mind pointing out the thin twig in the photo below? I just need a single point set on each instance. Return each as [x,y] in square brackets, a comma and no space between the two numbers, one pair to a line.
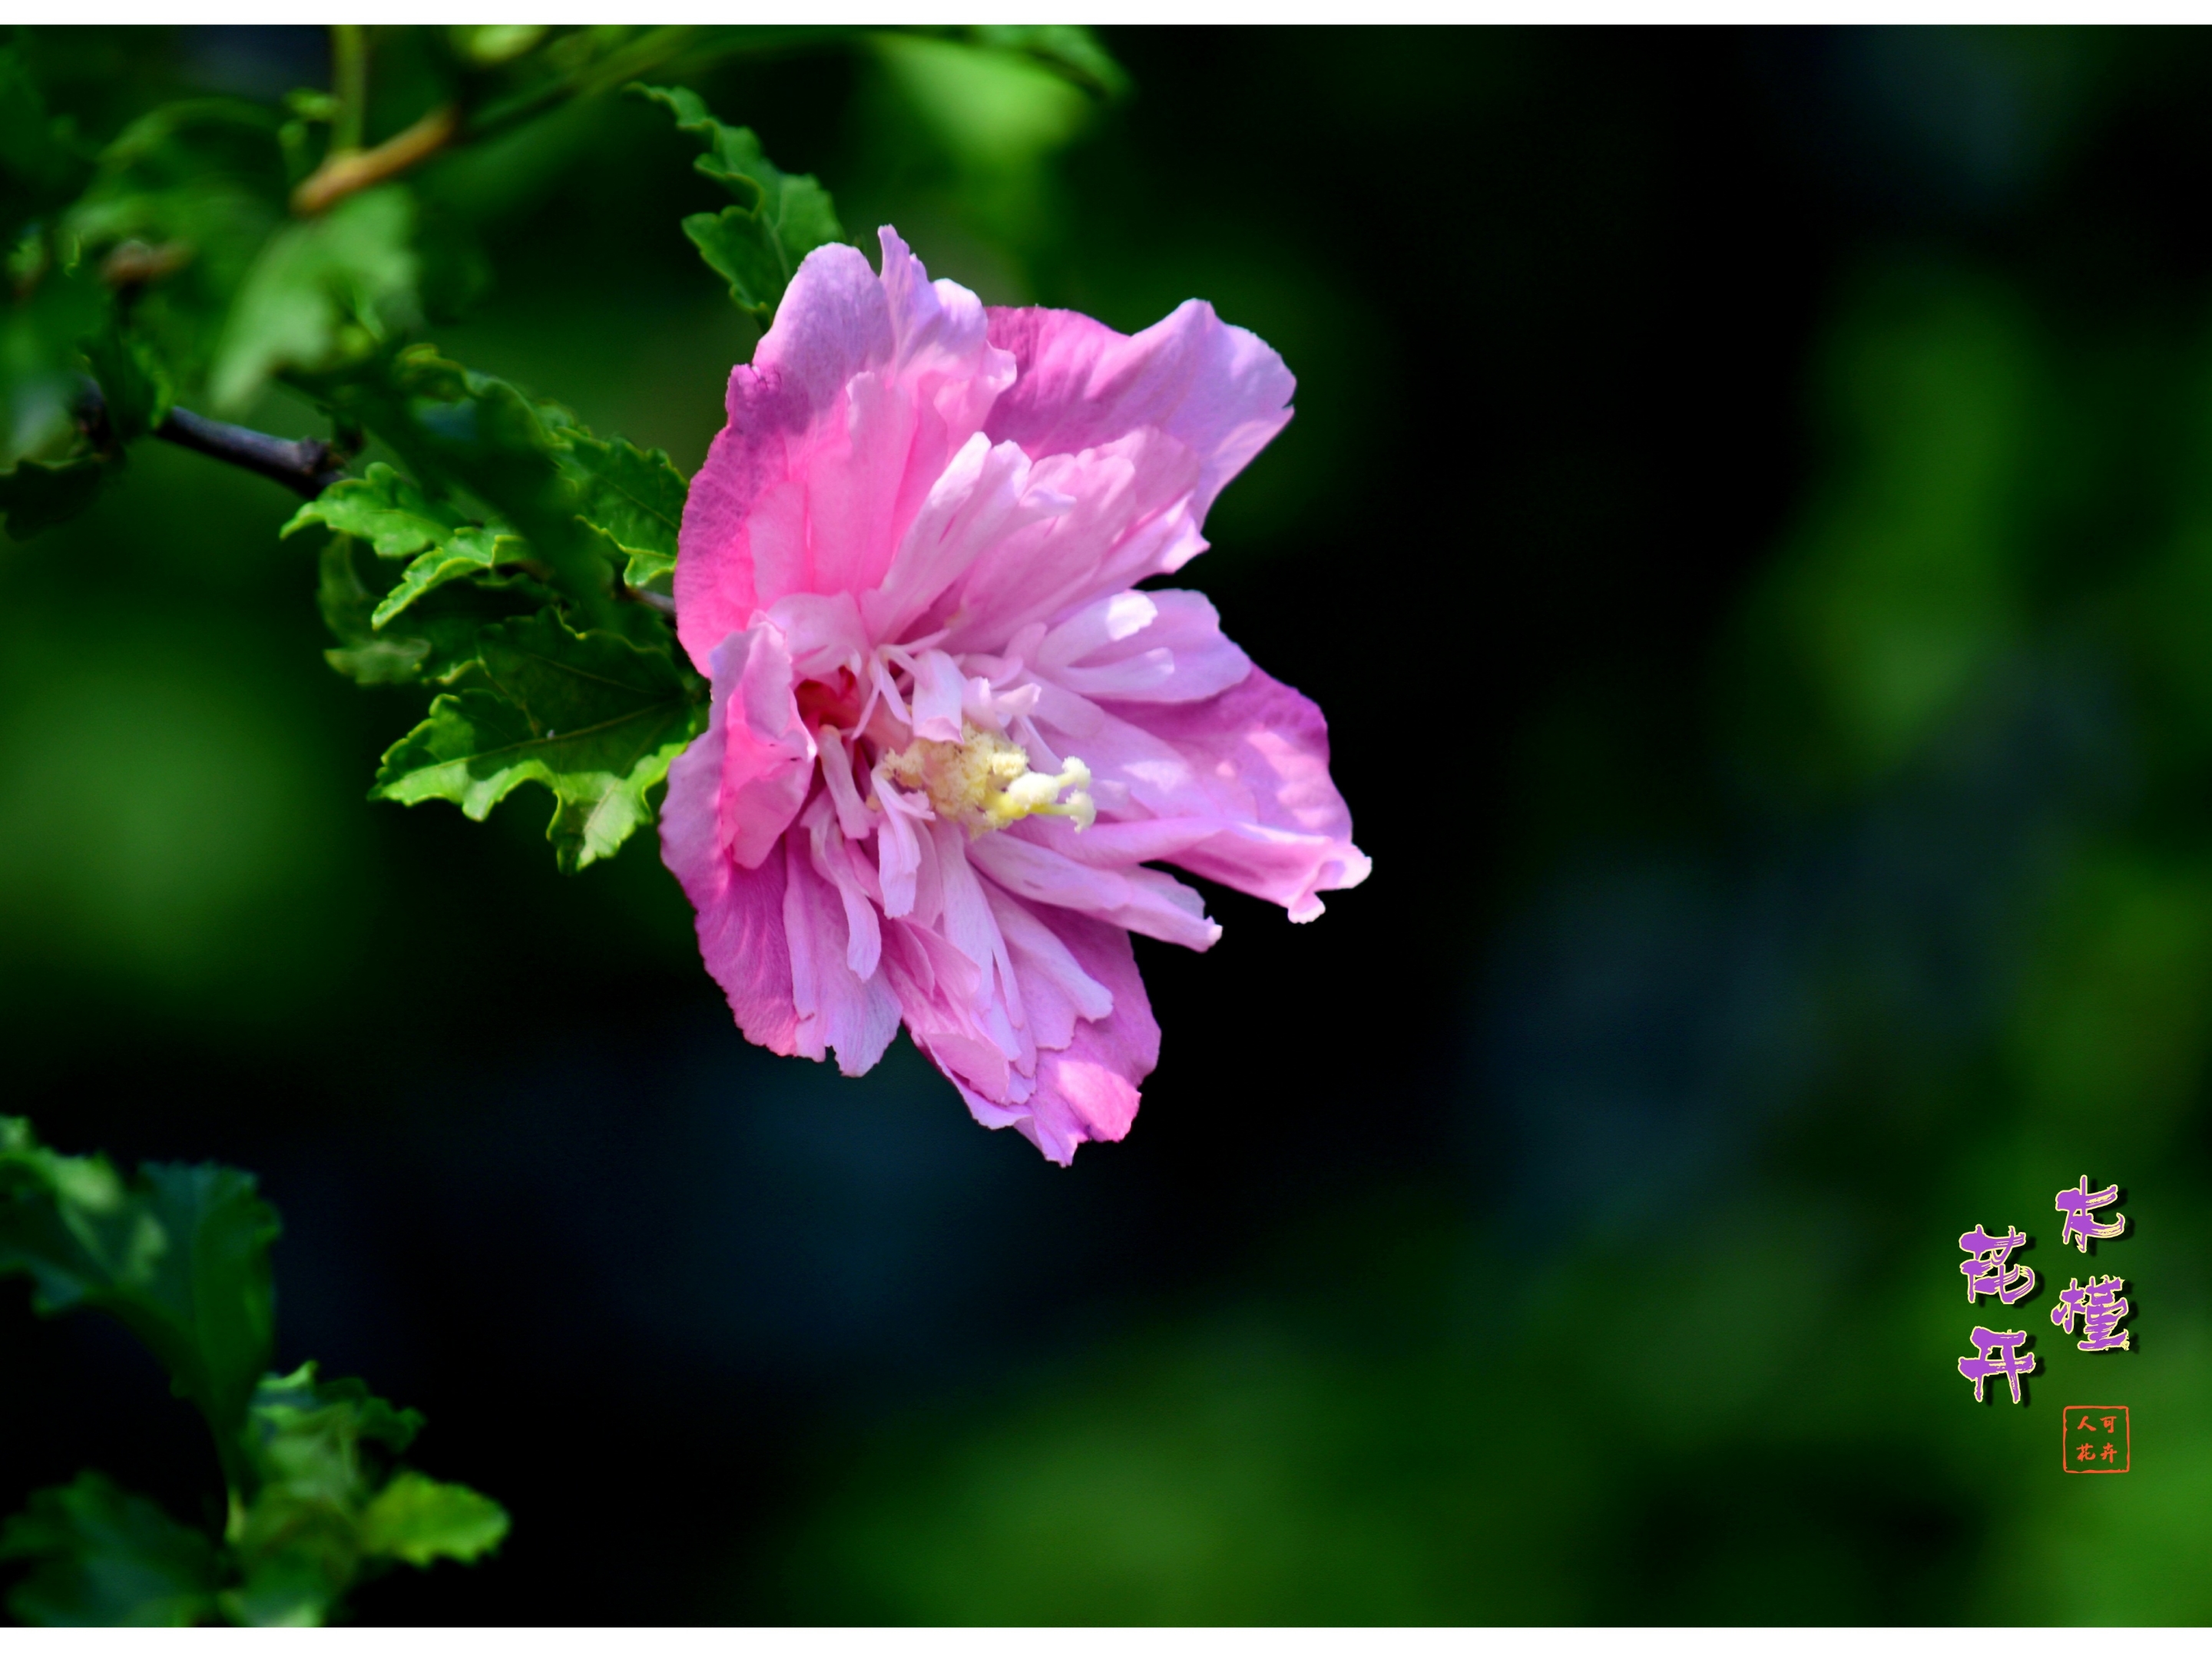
[645,597]
[343,173]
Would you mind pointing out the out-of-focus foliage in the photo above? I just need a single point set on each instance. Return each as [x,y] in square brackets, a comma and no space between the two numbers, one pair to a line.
[181,1256]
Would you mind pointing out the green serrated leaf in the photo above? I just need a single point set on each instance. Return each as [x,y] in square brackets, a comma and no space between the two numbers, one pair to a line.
[384,509]
[437,639]
[632,496]
[37,496]
[468,432]
[104,1556]
[471,551]
[419,1520]
[779,217]
[180,1254]
[397,518]
[593,717]
[320,295]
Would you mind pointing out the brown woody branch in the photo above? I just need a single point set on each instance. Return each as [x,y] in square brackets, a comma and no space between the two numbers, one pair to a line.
[306,466]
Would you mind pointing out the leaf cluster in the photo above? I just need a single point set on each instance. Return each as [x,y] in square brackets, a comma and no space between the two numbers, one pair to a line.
[504,558]
[316,1500]
[514,567]
[498,555]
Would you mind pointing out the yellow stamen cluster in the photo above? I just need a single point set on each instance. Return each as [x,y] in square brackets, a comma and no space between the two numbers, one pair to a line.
[985,782]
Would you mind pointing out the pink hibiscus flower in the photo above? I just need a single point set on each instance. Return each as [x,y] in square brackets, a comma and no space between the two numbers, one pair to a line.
[950,733]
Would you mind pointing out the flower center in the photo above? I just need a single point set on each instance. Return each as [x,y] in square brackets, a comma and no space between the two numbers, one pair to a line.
[985,782]
[835,701]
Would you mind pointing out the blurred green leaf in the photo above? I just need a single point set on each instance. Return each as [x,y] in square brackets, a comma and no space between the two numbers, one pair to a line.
[36,169]
[591,716]
[456,272]
[181,207]
[36,496]
[632,496]
[103,1556]
[755,245]
[321,294]
[998,114]
[41,359]
[320,1449]
[134,383]
[326,1503]
[1069,50]
[489,43]
[1902,585]
[180,1254]
[418,1519]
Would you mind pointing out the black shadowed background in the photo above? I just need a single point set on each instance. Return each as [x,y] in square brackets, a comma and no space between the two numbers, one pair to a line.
[1749,522]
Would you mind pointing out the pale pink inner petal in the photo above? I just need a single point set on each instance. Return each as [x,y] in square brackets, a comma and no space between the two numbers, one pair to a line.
[1172,651]
[939,688]
[1131,519]
[1149,902]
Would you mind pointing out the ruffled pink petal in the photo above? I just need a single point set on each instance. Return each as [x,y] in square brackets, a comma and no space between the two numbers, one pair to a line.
[766,753]
[1121,513]
[1056,993]
[739,913]
[1219,391]
[1251,762]
[982,497]
[858,396]
[836,1008]
[1088,1090]
[823,632]
[939,991]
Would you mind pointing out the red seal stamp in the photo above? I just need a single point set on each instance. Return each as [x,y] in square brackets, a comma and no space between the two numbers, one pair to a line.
[2093,1440]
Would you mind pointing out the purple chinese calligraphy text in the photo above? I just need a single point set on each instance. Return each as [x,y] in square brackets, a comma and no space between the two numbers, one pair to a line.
[2099,1306]
[1999,1353]
[1986,1265]
[2075,1204]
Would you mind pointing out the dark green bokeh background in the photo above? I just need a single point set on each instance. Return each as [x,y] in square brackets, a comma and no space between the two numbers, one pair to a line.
[1749,523]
